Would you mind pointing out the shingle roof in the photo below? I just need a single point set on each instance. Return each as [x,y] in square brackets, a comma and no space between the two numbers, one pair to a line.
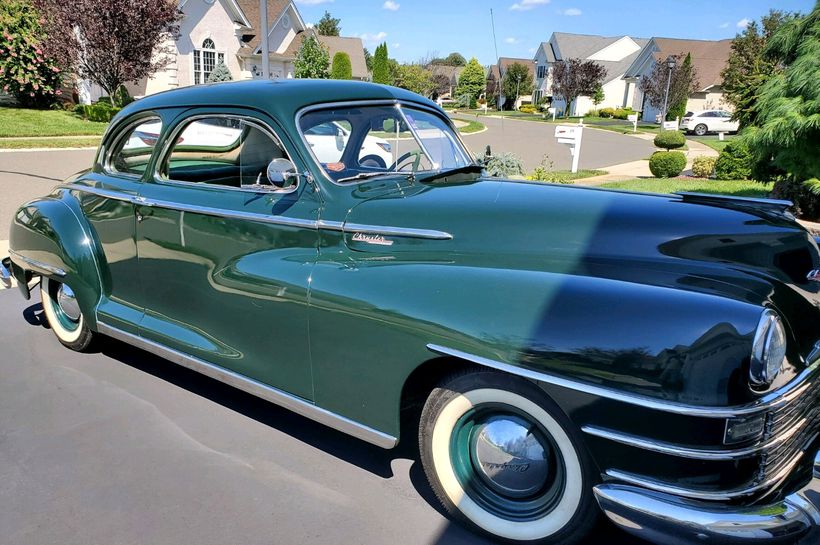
[582,46]
[251,10]
[451,72]
[353,47]
[505,62]
[708,57]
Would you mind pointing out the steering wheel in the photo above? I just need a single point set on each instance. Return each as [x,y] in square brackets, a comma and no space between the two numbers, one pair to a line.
[403,158]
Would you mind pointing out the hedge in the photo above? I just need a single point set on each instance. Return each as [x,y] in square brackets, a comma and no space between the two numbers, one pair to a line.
[667,164]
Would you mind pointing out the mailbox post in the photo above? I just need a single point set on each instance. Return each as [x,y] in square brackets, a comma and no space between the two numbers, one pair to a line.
[633,118]
[552,111]
[571,135]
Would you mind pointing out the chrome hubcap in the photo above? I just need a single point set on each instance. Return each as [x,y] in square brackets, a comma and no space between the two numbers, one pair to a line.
[509,458]
[68,303]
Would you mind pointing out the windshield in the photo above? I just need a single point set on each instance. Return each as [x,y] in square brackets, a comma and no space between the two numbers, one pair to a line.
[356,142]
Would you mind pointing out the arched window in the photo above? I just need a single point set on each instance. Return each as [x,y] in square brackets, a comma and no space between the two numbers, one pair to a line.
[205,58]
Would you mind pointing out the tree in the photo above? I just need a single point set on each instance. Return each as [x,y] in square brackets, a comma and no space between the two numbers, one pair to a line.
[683,82]
[415,78]
[747,68]
[219,73]
[381,68]
[341,67]
[312,60]
[598,96]
[453,59]
[573,78]
[111,42]
[440,83]
[471,82]
[368,60]
[677,108]
[786,133]
[517,81]
[26,71]
[328,25]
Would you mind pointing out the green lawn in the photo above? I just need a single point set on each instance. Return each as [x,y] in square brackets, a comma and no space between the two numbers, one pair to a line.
[20,122]
[72,142]
[712,141]
[737,188]
[566,176]
[472,126]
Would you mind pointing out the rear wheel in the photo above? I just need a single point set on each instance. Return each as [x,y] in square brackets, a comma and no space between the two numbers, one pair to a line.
[701,129]
[502,457]
[64,315]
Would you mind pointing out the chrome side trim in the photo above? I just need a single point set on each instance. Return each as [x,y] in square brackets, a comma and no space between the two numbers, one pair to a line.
[265,218]
[241,382]
[687,452]
[770,401]
[672,521]
[39,266]
[5,275]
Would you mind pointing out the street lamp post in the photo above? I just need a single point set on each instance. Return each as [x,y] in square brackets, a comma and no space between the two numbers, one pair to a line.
[263,16]
[670,64]
[517,89]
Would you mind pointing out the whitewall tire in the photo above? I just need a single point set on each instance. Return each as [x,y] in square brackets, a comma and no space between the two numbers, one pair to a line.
[502,457]
[63,315]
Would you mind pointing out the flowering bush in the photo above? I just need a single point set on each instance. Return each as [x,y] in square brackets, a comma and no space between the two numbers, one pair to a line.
[25,70]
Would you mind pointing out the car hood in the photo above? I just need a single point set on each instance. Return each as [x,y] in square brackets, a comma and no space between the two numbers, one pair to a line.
[740,249]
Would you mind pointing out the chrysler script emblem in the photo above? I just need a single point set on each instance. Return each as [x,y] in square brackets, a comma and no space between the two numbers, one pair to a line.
[372,239]
[516,468]
[814,275]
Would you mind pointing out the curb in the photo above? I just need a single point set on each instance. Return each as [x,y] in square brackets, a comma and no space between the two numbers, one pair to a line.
[28,150]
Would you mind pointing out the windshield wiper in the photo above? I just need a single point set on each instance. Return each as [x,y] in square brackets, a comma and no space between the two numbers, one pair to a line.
[468,169]
[365,175]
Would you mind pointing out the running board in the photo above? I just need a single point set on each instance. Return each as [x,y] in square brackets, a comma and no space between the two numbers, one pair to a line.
[254,387]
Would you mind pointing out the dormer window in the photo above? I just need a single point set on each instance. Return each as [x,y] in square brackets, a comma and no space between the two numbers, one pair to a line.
[205,59]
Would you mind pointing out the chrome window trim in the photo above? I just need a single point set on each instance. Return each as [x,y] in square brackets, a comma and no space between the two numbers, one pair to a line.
[254,387]
[159,179]
[768,402]
[367,102]
[106,153]
[39,266]
[688,452]
[264,218]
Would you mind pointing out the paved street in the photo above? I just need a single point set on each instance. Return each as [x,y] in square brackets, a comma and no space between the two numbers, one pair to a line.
[121,447]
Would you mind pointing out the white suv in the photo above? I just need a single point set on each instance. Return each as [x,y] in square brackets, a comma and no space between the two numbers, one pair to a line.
[707,121]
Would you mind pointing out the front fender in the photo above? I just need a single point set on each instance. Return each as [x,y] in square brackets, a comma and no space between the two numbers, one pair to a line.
[49,237]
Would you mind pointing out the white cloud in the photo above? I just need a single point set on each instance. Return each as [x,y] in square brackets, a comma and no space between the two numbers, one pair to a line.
[742,23]
[378,37]
[572,12]
[396,45]
[313,2]
[511,41]
[725,25]
[526,5]
[309,25]
[391,5]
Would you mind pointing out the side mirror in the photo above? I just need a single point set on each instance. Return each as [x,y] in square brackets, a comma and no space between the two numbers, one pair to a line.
[283,175]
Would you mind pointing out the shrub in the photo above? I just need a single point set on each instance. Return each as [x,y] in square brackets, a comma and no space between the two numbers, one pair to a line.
[703,167]
[622,113]
[734,162]
[606,112]
[806,203]
[670,140]
[527,109]
[543,172]
[505,164]
[667,164]
[99,111]
[220,73]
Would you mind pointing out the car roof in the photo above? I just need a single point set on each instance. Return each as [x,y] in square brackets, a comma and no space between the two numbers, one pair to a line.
[282,98]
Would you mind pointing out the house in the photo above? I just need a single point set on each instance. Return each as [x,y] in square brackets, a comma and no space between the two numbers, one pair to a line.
[495,75]
[614,53]
[228,31]
[451,73]
[709,58]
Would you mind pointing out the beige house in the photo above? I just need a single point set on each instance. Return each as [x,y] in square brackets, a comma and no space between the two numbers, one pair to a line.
[709,58]
[495,76]
[229,31]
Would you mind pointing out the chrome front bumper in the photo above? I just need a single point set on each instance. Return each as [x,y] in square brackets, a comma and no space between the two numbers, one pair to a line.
[669,520]
[5,272]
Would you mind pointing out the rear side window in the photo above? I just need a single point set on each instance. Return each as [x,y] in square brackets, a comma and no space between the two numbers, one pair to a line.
[228,151]
[132,150]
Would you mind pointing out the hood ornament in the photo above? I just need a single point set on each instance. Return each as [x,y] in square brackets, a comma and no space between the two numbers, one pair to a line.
[813,276]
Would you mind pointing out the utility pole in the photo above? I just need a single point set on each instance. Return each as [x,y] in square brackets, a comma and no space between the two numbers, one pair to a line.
[263,16]
[670,64]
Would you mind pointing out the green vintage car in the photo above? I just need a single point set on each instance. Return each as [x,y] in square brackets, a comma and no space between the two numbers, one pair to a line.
[560,352]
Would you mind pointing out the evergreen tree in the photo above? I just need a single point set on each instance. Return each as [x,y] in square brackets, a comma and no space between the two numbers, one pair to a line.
[368,60]
[219,73]
[381,67]
[341,67]
[472,80]
[328,25]
[677,109]
[312,60]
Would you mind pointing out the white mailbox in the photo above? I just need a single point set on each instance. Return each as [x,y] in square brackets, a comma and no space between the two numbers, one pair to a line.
[571,135]
[633,118]
[552,111]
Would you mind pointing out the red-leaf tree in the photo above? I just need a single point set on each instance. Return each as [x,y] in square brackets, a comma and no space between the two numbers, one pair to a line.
[684,81]
[573,78]
[111,42]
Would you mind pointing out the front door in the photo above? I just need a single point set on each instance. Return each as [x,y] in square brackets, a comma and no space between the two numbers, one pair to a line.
[224,261]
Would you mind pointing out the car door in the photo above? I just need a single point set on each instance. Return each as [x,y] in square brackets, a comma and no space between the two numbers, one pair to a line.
[224,260]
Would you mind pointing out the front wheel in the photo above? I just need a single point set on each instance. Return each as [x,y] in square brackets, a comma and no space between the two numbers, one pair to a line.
[64,315]
[701,129]
[503,458]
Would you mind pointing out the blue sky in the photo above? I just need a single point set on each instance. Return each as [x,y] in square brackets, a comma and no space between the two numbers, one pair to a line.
[413,28]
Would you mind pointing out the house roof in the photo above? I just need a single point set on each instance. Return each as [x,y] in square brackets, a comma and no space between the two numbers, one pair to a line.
[352,46]
[251,10]
[505,62]
[451,72]
[583,46]
[708,57]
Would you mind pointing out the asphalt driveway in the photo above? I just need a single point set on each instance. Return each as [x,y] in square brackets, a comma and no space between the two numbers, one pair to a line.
[121,447]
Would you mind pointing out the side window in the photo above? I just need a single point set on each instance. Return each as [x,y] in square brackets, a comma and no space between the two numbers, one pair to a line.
[219,150]
[328,140]
[391,141]
[134,147]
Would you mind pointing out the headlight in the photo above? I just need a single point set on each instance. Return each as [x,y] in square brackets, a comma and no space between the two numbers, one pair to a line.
[768,350]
